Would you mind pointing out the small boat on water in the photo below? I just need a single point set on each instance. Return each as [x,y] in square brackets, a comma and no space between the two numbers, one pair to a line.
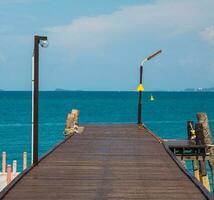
[152,98]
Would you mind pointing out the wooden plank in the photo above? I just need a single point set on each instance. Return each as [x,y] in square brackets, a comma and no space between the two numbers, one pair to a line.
[107,162]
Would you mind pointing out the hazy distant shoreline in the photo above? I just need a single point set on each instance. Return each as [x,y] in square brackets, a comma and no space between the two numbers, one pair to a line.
[184,91]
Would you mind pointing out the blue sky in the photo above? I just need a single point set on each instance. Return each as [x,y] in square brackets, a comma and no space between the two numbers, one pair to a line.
[98,45]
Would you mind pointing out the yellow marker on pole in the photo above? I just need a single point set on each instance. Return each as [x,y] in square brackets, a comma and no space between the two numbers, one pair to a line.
[140,88]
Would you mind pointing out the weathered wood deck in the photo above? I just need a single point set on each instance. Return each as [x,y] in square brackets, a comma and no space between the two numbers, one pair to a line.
[106,162]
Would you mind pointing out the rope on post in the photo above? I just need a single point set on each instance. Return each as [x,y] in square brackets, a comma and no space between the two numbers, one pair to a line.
[72,126]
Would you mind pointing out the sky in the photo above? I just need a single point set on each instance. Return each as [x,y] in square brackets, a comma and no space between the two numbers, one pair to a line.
[99,44]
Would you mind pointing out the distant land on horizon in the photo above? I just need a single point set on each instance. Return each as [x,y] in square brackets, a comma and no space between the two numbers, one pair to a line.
[185,90]
[65,90]
[210,89]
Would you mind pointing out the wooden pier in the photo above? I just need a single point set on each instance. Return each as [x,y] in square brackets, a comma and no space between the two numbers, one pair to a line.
[117,162]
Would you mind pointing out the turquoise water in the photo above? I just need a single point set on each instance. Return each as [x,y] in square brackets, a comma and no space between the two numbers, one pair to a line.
[166,116]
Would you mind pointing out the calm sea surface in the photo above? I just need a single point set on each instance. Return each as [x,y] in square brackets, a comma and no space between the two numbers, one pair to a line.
[166,116]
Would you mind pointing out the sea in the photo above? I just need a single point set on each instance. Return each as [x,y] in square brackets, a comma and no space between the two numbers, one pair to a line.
[166,116]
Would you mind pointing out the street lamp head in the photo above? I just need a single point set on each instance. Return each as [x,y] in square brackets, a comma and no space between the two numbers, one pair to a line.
[150,57]
[44,43]
[154,54]
[42,40]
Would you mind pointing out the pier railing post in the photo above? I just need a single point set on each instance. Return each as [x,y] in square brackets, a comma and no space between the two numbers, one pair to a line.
[14,168]
[9,177]
[4,162]
[24,160]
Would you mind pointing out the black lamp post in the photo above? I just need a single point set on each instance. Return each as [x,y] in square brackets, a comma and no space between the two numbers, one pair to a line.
[38,40]
[140,87]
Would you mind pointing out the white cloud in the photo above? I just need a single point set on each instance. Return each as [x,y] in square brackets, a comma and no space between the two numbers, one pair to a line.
[163,19]
[208,34]
[115,43]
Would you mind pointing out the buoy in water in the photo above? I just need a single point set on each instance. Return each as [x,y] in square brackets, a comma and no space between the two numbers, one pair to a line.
[152,98]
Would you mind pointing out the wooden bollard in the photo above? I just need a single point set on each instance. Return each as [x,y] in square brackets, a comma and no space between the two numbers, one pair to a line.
[203,175]
[14,168]
[195,165]
[206,138]
[69,120]
[4,162]
[71,126]
[9,177]
[203,137]
[24,160]
[203,119]
[75,112]
[200,140]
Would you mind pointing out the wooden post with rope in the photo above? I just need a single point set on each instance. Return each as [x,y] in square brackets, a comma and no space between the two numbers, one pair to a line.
[203,137]
[72,126]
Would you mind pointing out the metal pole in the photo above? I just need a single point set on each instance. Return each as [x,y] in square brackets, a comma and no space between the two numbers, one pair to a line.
[35,94]
[140,99]
[35,99]
[141,89]
[32,108]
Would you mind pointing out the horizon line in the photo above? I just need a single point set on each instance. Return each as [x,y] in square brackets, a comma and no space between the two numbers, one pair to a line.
[104,91]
